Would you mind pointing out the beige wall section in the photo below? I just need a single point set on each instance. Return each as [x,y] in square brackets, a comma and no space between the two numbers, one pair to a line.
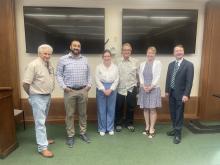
[113,27]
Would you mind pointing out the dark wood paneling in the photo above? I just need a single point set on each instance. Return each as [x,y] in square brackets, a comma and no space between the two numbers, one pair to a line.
[57,111]
[209,106]
[7,124]
[9,73]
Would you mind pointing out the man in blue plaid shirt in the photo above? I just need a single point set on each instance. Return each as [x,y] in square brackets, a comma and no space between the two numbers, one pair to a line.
[73,75]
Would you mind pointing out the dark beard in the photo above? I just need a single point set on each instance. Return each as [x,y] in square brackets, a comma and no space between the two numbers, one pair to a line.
[75,52]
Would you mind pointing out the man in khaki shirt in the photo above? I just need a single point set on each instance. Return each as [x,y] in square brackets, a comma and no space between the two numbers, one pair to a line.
[127,89]
[38,83]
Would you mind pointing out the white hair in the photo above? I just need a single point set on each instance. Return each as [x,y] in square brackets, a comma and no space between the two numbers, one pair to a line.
[44,46]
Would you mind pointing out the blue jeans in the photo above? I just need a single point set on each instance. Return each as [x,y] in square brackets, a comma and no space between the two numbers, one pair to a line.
[40,106]
[106,109]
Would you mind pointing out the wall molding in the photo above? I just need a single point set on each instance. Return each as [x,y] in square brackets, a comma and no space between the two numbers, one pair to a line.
[57,110]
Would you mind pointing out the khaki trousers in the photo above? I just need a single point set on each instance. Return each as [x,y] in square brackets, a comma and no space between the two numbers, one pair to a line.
[76,99]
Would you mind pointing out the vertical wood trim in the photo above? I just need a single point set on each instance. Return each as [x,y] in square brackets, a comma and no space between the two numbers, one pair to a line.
[8,53]
[14,67]
[208,55]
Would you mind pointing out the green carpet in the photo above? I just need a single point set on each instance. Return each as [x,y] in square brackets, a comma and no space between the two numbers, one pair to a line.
[123,148]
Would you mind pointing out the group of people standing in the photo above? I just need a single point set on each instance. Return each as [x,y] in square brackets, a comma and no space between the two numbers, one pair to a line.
[116,86]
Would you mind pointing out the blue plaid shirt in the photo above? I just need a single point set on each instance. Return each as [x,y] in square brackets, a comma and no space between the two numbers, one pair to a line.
[73,71]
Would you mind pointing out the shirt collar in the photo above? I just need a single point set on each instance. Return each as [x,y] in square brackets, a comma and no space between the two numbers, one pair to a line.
[179,61]
[43,62]
[129,59]
[106,66]
[70,55]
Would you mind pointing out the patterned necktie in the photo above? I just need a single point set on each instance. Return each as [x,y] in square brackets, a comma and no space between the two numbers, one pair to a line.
[172,83]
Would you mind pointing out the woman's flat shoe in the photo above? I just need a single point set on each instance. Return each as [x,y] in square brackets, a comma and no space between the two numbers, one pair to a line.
[151,135]
[145,132]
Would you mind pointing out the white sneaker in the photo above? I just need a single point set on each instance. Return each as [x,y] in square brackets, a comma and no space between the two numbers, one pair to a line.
[111,133]
[102,133]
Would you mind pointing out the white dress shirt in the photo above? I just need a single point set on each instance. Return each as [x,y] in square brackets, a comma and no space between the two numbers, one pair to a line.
[106,75]
[179,62]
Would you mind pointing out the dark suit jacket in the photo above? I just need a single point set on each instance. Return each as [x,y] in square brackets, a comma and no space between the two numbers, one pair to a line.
[183,80]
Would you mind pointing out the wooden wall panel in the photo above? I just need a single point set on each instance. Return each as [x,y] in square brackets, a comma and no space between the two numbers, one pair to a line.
[57,111]
[8,141]
[9,73]
[209,106]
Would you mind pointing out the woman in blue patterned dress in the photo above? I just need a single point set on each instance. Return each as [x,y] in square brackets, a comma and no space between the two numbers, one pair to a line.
[150,95]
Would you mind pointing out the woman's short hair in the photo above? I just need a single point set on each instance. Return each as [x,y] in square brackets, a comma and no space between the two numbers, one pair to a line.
[153,49]
[127,44]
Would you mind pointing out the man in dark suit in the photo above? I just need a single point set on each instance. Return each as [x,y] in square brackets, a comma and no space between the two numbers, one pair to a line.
[178,87]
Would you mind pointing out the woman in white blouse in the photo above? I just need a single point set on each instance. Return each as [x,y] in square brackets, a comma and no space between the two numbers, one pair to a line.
[150,95]
[106,78]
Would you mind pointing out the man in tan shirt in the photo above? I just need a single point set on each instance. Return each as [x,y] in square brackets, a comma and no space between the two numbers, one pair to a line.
[38,83]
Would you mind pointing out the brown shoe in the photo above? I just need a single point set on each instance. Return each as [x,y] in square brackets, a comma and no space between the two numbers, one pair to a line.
[47,154]
[50,141]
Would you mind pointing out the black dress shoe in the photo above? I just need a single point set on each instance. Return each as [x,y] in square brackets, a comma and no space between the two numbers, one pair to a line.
[70,141]
[171,133]
[118,128]
[176,139]
[85,138]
